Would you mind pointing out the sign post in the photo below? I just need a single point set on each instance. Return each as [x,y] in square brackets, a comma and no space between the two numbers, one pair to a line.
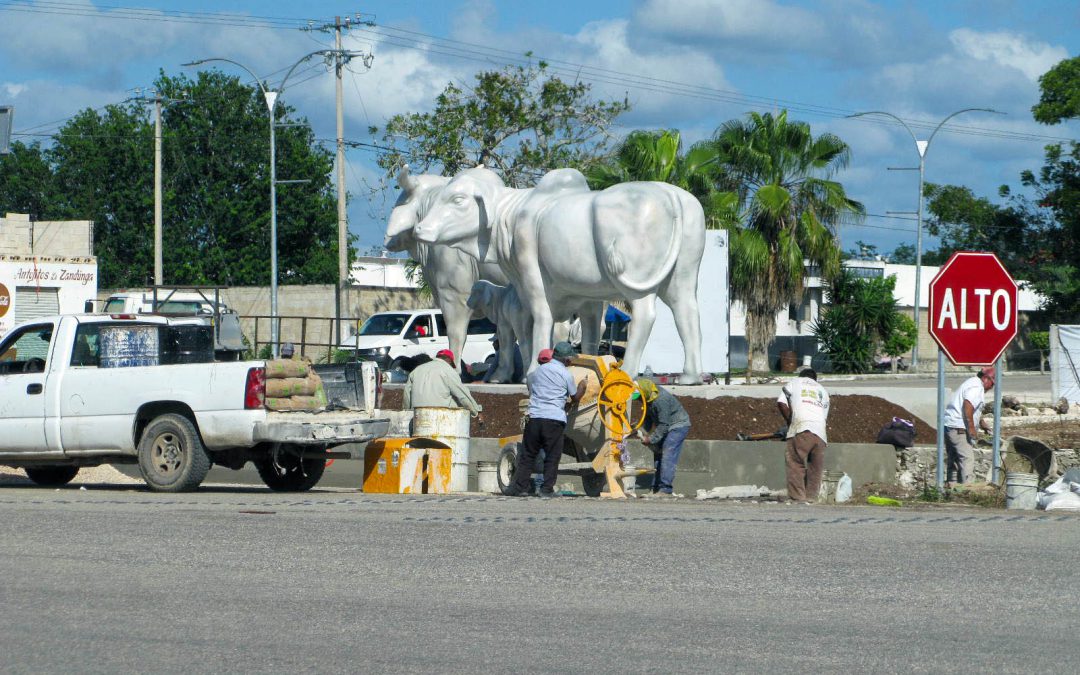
[973,318]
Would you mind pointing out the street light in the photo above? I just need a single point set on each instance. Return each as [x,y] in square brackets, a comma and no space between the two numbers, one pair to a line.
[921,147]
[271,97]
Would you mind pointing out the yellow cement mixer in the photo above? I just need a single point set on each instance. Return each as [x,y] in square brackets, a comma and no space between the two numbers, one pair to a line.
[596,430]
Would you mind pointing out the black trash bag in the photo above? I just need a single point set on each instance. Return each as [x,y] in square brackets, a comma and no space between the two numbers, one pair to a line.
[899,432]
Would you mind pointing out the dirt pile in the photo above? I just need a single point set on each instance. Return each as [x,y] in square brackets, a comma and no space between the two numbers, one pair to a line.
[852,419]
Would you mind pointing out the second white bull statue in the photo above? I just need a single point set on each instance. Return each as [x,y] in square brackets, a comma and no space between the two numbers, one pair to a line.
[560,245]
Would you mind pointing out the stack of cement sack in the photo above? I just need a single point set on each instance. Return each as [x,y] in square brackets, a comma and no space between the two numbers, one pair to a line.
[292,385]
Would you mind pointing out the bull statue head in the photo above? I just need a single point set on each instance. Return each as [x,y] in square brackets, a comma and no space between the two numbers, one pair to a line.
[464,212]
[411,206]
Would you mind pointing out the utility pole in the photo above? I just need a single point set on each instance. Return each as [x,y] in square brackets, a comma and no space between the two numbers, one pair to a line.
[341,58]
[159,102]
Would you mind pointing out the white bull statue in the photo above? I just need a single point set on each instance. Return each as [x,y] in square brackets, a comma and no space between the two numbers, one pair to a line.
[451,273]
[560,245]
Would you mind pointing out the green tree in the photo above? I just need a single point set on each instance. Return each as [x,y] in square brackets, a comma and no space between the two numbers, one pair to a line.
[1060,93]
[520,122]
[26,182]
[104,161]
[904,254]
[657,156]
[791,208]
[861,319]
[965,222]
[216,209]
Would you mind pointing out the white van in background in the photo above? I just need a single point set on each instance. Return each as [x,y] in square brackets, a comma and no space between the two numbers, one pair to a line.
[388,337]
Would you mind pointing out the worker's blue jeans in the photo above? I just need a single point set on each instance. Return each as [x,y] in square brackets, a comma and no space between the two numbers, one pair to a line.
[665,457]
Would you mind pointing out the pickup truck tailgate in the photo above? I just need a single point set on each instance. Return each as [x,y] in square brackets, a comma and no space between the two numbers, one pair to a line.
[327,428]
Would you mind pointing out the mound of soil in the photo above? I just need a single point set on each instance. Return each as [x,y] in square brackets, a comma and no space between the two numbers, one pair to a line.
[852,419]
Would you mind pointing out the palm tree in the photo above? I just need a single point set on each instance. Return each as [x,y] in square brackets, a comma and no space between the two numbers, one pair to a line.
[654,156]
[790,208]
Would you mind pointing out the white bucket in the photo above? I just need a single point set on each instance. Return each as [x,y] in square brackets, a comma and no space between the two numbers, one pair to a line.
[451,426]
[1021,491]
[486,477]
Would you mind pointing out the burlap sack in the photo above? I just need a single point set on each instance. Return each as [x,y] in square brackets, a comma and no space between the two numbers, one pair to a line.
[293,386]
[283,368]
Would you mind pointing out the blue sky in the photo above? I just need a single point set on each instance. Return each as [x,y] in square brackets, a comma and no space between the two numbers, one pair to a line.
[822,60]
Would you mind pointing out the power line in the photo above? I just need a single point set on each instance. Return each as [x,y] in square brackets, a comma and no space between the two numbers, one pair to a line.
[409,39]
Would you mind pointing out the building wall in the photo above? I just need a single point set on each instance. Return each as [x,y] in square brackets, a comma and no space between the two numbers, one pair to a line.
[19,235]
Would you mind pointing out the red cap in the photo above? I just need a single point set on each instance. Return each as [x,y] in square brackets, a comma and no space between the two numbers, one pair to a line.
[445,353]
[545,356]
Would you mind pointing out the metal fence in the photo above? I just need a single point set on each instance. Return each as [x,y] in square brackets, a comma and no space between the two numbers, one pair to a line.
[312,336]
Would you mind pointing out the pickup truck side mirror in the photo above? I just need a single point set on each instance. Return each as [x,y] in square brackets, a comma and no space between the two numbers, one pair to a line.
[88,306]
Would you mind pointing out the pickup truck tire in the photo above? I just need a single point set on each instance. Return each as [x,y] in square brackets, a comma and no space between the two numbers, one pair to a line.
[290,473]
[51,476]
[172,457]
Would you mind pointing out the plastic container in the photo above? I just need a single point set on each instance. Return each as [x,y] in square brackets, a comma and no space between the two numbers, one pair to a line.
[1021,491]
[486,479]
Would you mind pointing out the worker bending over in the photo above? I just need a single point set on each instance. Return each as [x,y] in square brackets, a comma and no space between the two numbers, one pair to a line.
[805,406]
[437,384]
[666,426]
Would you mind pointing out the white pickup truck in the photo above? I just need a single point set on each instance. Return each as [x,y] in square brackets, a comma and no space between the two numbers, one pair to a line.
[69,399]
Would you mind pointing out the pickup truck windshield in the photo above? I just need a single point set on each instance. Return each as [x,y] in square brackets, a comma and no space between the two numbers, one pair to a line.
[384,324]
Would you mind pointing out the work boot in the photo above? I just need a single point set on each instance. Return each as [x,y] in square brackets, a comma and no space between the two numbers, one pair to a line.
[547,494]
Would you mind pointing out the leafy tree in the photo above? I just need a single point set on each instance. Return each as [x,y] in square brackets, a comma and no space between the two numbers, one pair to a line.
[217,211]
[900,339]
[1060,93]
[216,207]
[791,206]
[965,222]
[520,122]
[26,182]
[860,320]
[904,254]
[104,161]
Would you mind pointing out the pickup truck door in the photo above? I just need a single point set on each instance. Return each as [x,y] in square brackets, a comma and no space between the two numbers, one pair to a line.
[24,356]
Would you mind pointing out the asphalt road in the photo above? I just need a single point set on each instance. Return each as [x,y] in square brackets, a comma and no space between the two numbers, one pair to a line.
[234,580]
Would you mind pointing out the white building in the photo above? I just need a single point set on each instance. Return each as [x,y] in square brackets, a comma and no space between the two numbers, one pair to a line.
[46,267]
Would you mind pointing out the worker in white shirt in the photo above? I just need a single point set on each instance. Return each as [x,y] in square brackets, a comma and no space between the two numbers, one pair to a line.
[804,405]
[963,417]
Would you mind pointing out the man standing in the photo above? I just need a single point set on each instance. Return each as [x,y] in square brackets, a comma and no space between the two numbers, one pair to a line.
[804,405]
[666,425]
[437,384]
[963,417]
[549,386]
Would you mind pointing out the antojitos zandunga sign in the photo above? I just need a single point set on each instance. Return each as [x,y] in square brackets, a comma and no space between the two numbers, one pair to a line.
[973,308]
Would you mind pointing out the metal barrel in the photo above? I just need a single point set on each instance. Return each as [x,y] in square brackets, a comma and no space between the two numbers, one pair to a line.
[451,426]
[126,346]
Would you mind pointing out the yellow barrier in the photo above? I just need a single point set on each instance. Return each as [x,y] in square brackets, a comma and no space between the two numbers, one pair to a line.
[407,466]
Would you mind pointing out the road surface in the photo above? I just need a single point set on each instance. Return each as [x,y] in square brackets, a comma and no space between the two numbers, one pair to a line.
[242,580]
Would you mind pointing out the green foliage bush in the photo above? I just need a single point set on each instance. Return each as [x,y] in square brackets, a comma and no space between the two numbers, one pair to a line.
[861,320]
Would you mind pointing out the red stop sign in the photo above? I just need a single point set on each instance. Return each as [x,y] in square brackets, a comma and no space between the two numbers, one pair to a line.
[973,308]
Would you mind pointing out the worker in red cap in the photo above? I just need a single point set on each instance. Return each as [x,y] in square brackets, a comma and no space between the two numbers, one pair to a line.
[963,418]
[437,384]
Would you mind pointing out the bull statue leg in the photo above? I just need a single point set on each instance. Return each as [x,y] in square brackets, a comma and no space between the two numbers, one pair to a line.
[684,308]
[505,372]
[644,311]
[457,315]
[592,318]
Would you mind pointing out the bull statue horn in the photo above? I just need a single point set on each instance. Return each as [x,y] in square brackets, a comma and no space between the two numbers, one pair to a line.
[405,180]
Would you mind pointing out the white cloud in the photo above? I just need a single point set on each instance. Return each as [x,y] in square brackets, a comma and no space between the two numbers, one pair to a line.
[1003,48]
[753,20]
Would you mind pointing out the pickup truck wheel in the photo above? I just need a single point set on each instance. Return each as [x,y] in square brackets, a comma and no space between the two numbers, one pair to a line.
[51,476]
[290,473]
[172,457]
